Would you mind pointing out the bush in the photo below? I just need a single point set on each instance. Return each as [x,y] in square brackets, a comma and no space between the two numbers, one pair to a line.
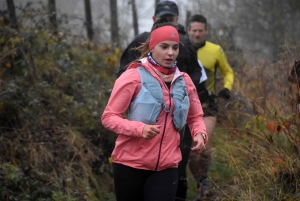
[52,90]
[260,143]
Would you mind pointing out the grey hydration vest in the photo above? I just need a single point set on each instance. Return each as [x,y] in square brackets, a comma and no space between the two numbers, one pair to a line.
[148,104]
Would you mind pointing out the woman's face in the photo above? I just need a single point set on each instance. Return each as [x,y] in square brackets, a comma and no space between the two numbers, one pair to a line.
[165,53]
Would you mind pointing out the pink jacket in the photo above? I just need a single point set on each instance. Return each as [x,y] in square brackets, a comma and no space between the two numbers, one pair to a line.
[131,149]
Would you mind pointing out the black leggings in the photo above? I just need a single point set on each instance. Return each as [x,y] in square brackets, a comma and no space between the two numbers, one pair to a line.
[133,184]
[185,147]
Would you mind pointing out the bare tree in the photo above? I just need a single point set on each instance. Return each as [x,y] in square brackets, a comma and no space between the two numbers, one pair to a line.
[12,13]
[265,26]
[155,3]
[294,4]
[188,15]
[134,18]
[260,27]
[88,19]
[114,28]
[52,13]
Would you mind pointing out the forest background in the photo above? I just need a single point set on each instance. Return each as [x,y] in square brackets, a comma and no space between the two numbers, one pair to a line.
[59,58]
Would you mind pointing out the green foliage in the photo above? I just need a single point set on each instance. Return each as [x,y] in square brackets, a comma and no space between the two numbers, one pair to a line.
[52,93]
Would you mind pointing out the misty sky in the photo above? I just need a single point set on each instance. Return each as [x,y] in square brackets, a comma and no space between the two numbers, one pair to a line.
[145,10]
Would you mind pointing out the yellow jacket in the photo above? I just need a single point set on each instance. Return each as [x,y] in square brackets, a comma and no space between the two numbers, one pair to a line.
[213,57]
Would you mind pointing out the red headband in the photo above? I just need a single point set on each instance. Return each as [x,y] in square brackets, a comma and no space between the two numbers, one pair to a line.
[162,34]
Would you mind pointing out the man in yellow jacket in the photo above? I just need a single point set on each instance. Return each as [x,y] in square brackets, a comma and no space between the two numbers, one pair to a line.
[212,58]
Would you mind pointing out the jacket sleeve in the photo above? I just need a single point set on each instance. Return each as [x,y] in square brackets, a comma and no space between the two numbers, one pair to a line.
[225,69]
[195,119]
[129,55]
[125,89]
[193,68]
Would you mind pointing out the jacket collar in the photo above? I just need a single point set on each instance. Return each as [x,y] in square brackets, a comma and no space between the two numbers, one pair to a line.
[146,64]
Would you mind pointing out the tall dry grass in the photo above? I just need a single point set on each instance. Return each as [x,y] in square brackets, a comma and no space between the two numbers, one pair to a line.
[257,141]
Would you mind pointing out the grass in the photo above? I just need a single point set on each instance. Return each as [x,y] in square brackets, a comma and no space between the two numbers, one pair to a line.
[222,173]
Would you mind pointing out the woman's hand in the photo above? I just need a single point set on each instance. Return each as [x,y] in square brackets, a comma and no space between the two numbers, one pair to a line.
[150,131]
[199,143]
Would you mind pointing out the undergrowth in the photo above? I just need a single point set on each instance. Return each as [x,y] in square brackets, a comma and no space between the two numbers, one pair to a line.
[256,142]
[52,93]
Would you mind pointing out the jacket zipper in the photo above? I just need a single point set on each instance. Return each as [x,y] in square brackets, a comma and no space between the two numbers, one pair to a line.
[167,111]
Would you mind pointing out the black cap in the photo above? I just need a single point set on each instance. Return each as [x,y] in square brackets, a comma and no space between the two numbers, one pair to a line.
[166,8]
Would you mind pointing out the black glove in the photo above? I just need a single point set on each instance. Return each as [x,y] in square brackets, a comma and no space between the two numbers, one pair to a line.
[224,93]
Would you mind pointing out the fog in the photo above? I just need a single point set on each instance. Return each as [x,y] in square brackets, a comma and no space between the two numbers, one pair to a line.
[261,28]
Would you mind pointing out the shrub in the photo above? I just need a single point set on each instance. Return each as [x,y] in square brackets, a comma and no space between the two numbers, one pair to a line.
[52,90]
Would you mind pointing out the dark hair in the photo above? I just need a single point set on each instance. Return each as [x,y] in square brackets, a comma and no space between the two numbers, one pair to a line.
[198,18]
[180,29]
[144,48]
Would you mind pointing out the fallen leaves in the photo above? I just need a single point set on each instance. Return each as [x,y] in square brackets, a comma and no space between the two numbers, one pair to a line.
[272,126]
[287,124]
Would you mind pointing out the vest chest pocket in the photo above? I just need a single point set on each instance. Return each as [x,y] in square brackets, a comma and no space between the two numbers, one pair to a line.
[182,104]
[146,108]
[154,89]
[148,104]
[180,112]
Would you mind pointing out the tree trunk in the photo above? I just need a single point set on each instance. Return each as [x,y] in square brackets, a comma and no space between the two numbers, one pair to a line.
[88,19]
[114,28]
[12,13]
[52,13]
[155,3]
[134,18]
[188,15]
